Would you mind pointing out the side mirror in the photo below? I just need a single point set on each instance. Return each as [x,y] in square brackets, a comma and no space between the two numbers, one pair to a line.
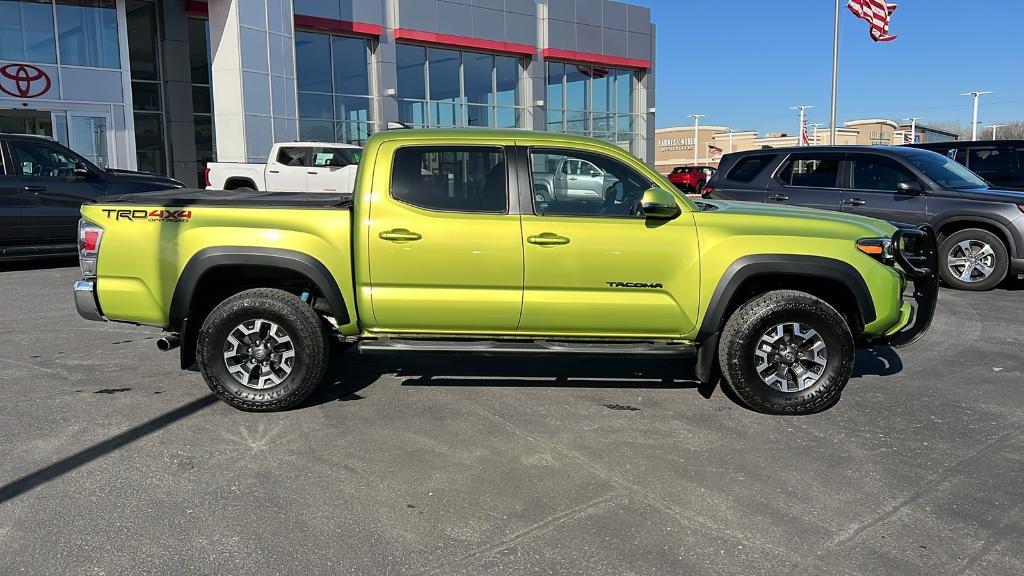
[332,163]
[81,172]
[594,173]
[660,204]
[910,188]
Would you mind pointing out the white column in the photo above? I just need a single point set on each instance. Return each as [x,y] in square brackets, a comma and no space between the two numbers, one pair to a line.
[253,81]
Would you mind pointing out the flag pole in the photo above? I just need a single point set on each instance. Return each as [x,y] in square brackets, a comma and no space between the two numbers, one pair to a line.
[835,75]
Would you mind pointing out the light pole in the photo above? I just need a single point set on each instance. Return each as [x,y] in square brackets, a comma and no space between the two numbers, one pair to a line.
[730,140]
[696,127]
[913,128]
[835,75]
[974,124]
[816,125]
[800,131]
[993,127]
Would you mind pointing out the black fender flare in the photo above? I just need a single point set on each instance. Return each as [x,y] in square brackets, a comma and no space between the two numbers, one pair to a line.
[748,267]
[209,259]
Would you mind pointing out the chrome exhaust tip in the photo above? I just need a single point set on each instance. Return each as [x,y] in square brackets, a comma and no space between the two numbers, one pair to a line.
[169,342]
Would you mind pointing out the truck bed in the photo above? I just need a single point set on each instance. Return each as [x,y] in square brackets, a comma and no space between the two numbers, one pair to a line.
[246,198]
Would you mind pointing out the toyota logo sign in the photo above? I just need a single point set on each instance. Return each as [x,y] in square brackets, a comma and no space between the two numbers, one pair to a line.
[23,80]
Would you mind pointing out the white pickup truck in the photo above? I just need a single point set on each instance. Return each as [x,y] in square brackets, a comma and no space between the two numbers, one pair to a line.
[292,167]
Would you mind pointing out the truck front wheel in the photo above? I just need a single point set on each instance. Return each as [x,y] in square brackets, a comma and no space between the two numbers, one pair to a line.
[786,352]
[262,350]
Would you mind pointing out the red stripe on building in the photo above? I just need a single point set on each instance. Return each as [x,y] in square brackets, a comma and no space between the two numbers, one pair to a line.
[196,8]
[332,25]
[588,58]
[464,42]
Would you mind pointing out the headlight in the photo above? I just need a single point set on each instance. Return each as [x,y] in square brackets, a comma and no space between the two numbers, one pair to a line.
[878,248]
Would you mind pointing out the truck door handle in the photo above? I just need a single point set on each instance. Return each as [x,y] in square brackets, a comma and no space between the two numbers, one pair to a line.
[547,239]
[36,189]
[399,235]
[274,171]
[854,202]
[573,178]
[778,197]
[314,173]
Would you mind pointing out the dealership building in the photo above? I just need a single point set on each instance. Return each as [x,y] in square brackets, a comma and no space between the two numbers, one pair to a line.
[167,85]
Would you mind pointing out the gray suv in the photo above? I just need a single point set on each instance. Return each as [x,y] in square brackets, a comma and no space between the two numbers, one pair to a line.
[980,229]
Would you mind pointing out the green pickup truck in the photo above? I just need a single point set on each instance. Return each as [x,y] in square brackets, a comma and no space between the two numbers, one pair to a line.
[445,247]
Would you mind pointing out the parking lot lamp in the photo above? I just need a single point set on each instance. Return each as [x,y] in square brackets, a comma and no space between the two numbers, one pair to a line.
[696,135]
[974,124]
[993,127]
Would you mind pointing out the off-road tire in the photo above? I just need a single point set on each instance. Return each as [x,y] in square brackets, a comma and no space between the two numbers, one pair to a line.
[742,334]
[302,325]
[1001,259]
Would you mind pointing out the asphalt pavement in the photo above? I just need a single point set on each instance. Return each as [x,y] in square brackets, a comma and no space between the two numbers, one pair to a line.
[113,461]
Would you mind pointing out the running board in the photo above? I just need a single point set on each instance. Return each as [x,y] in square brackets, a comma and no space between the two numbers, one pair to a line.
[525,347]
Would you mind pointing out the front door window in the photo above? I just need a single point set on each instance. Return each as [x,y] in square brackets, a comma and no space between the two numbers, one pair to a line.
[594,265]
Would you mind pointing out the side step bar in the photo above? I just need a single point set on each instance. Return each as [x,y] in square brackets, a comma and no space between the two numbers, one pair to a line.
[525,347]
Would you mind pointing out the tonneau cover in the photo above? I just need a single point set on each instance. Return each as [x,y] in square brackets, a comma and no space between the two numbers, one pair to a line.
[246,198]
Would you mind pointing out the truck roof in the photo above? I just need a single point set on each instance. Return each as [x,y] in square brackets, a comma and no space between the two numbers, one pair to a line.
[484,134]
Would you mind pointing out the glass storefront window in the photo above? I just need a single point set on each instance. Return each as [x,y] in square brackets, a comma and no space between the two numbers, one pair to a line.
[313,62]
[439,87]
[87,33]
[333,78]
[202,97]
[506,74]
[592,101]
[143,55]
[26,31]
[411,72]
[352,68]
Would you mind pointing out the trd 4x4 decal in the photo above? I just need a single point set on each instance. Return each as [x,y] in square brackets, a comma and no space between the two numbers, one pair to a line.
[149,215]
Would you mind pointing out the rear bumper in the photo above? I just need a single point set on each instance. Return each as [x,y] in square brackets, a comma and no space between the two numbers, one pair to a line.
[921,267]
[85,301]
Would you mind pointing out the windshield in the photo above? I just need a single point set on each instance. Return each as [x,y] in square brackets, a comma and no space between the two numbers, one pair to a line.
[947,173]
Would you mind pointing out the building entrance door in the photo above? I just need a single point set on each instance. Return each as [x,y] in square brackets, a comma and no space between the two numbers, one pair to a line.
[88,135]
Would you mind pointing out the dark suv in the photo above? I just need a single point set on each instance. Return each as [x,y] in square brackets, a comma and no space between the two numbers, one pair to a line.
[980,229]
[1000,162]
[43,185]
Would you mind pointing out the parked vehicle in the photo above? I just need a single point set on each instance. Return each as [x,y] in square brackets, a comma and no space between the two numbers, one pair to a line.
[292,167]
[1000,162]
[691,178]
[43,185]
[980,229]
[445,248]
[570,179]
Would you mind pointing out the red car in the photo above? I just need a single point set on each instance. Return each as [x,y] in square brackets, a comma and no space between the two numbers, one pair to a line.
[691,178]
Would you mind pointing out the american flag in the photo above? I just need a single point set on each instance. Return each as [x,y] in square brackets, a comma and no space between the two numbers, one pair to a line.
[804,138]
[877,13]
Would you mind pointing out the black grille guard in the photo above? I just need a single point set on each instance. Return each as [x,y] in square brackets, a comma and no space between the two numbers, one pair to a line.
[916,253]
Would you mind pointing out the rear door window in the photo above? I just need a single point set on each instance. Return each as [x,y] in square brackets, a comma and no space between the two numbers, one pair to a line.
[877,174]
[990,159]
[291,156]
[451,178]
[746,169]
[811,170]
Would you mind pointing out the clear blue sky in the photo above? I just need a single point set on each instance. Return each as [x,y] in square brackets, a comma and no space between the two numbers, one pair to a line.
[743,63]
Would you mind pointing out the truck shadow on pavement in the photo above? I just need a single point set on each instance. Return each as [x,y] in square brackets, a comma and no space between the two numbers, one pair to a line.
[348,374]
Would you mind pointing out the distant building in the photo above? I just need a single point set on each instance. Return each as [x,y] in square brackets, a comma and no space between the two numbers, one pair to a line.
[674,146]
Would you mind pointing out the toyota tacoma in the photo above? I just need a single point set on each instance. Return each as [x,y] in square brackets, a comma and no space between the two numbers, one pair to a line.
[444,247]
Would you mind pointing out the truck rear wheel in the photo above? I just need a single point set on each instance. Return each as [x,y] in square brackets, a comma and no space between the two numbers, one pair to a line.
[786,352]
[262,350]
